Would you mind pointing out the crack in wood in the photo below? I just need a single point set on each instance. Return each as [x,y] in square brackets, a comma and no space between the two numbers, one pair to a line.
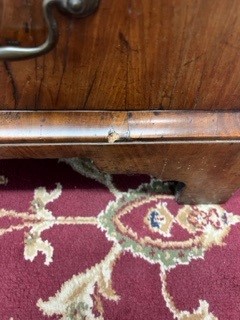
[13,83]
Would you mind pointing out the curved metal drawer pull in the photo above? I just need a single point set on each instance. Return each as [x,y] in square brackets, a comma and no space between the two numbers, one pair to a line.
[77,8]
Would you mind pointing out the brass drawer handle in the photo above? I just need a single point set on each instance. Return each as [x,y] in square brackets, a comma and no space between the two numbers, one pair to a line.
[77,8]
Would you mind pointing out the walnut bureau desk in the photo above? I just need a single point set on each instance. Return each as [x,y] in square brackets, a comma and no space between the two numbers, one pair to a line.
[137,86]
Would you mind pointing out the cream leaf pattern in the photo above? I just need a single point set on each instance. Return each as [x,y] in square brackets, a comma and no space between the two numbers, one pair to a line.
[82,296]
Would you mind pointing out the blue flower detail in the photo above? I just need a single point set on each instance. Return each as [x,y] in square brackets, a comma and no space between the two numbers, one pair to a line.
[154,219]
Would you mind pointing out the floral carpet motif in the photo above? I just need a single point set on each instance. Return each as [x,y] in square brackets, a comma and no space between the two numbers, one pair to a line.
[80,244]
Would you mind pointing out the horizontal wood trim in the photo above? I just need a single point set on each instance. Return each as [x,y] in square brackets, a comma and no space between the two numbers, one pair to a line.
[60,127]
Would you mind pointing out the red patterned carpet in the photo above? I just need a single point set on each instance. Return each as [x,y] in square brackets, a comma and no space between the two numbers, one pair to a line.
[78,244]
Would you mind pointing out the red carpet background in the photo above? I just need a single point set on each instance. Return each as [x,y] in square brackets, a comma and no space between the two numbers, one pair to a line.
[79,244]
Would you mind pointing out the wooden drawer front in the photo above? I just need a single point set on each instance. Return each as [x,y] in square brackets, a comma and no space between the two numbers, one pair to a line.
[129,55]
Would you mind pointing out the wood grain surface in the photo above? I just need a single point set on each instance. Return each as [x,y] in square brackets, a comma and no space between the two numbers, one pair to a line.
[198,149]
[130,55]
[112,127]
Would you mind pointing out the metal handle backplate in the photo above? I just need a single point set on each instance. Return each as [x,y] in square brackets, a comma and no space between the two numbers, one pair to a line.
[77,8]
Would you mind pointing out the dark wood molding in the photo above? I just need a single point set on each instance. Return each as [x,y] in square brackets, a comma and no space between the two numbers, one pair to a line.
[98,127]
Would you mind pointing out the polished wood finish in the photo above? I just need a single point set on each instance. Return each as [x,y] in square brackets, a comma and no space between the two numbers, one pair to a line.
[130,55]
[199,149]
[76,127]
[147,65]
